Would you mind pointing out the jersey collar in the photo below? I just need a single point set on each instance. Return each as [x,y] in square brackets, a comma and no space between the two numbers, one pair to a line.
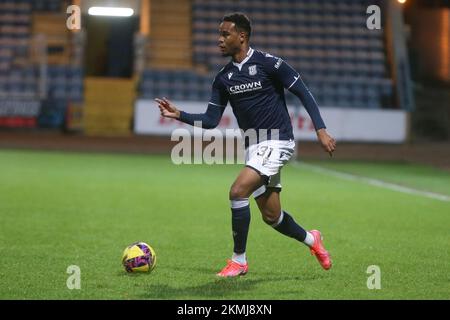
[249,55]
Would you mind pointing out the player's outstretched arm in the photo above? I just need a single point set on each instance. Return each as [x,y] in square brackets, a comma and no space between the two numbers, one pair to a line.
[301,91]
[208,120]
[292,81]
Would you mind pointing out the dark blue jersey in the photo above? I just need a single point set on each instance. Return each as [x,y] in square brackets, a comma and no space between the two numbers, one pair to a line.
[255,90]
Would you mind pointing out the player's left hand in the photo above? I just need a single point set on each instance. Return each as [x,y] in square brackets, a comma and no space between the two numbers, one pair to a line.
[328,142]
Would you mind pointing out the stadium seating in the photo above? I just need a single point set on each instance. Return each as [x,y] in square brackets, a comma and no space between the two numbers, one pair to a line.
[342,62]
[16,78]
[65,82]
[47,5]
[20,74]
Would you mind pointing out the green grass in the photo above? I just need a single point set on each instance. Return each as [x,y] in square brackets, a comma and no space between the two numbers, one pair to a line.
[61,209]
[406,174]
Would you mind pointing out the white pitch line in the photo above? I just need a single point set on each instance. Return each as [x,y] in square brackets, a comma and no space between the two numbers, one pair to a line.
[374,182]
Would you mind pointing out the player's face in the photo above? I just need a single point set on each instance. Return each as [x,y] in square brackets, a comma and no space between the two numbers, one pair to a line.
[230,40]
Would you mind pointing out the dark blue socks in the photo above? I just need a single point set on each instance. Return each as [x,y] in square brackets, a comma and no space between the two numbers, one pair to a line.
[287,226]
[240,222]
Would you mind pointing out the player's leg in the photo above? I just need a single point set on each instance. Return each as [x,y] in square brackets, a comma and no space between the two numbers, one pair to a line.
[268,200]
[245,184]
[270,207]
[248,181]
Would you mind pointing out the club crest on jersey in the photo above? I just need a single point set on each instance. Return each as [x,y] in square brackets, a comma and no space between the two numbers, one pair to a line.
[252,70]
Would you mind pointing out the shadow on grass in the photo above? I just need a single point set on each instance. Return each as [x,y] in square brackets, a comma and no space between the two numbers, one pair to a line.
[216,289]
[274,284]
[229,288]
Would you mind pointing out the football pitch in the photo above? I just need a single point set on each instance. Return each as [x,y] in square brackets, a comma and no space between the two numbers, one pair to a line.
[63,209]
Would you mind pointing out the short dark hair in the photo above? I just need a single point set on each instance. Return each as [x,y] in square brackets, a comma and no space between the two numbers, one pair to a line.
[241,21]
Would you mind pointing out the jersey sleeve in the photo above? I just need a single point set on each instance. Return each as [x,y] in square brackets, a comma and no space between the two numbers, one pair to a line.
[216,106]
[208,120]
[219,95]
[291,80]
[280,71]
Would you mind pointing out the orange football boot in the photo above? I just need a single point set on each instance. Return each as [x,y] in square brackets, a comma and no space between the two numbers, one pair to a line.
[233,269]
[319,251]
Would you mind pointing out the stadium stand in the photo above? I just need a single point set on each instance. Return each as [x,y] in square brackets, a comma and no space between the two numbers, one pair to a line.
[343,62]
[15,22]
[22,22]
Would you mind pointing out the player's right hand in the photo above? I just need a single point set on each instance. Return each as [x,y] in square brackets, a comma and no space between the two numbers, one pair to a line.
[167,108]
